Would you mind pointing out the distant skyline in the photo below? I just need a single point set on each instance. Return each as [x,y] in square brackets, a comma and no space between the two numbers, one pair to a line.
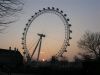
[83,14]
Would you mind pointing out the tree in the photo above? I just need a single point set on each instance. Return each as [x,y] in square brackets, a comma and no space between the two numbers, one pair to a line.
[7,9]
[90,42]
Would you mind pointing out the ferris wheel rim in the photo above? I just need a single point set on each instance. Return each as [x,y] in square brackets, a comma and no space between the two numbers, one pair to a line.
[62,17]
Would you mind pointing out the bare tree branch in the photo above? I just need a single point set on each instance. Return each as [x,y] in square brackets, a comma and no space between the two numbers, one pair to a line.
[90,42]
[7,9]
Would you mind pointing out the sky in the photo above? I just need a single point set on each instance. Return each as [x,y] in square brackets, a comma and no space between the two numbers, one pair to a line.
[84,16]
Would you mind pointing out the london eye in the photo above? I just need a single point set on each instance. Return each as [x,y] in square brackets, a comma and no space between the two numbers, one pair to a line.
[63,48]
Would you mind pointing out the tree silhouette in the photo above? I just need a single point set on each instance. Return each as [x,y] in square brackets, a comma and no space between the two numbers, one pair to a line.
[7,9]
[90,42]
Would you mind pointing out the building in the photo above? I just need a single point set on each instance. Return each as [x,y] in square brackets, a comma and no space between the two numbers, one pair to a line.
[10,57]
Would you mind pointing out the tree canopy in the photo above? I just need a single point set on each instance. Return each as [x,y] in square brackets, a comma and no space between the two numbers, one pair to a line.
[90,42]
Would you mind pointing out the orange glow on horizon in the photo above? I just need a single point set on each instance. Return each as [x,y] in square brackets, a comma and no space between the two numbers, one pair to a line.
[43,60]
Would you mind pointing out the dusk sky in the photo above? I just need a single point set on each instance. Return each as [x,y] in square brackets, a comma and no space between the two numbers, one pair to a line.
[84,16]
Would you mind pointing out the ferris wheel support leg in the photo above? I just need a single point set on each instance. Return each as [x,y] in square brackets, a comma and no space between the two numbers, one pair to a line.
[39,49]
[35,49]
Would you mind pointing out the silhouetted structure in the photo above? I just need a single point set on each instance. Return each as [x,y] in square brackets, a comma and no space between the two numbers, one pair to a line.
[67,33]
[11,58]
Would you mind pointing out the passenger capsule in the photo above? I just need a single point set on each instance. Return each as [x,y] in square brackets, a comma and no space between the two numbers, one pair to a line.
[70,25]
[24,29]
[61,11]
[57,9]
[65,15]
[22,38]
[39,10]
[67,19]
[70,37]
[29,20]
[48,7]
[70,31]
[43,8]
[53,8]
[27,24]
[23,33]
[68,44]
[35,13]
[24,52]
[32,16]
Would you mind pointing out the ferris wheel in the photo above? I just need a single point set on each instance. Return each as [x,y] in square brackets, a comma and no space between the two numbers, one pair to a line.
[67,31]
